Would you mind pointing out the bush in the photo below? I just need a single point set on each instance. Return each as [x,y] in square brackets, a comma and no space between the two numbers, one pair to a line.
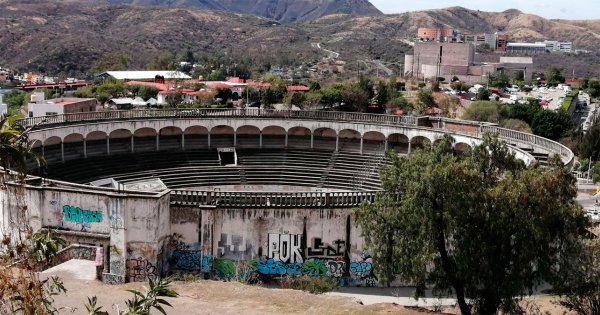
[314,285]
[483,111]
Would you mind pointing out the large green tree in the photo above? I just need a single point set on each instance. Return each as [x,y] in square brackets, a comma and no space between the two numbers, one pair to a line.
[480,225]
[483,111]
[550,124]
[589,144]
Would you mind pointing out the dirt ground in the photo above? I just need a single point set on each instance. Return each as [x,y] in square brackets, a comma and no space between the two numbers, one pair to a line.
[215,297]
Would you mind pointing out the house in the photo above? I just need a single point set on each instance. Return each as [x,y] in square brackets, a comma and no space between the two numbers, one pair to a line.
[121,103]
[39,106]
[297,88]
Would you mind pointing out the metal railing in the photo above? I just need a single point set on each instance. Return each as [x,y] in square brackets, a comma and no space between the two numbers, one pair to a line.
[271,199]
[65,119]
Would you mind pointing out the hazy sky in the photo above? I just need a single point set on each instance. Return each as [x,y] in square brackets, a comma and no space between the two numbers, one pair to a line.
[554,9]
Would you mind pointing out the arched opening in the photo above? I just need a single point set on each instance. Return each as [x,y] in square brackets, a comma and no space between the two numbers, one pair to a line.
[120,141]
[349,140]
[398,142]
[462,148]
[299,137]
[221,137]
[325,139]
[248,137]
[73,147]
[95,143]
[144,140]
[196,137]
[36,146]
[273,137]
[373,142]
[52,150]
[419,142]
[170,138]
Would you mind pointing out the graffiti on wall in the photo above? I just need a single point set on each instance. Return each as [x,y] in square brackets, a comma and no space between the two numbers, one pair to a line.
[234,246]
[140,269]
[112,279]
[186,256]
[285,248]
[83,217]
[115,220]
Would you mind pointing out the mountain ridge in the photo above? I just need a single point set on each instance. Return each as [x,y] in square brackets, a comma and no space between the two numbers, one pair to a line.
[68,37]
[285,11]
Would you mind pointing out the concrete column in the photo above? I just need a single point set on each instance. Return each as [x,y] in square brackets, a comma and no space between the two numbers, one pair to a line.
[260,139]
[107,145]
[337,143]
[182,141]
[157,142]
[312,140]
[62,151]
[132,144]
[286,140]
[209,139]
[409,147]
[361,145]
[84,149]
[234,139]
[386,145]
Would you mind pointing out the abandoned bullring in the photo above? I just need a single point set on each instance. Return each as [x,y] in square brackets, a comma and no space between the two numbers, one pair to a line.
[153,192]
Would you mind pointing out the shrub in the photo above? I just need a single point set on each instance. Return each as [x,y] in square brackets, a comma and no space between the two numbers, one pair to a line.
[314,285]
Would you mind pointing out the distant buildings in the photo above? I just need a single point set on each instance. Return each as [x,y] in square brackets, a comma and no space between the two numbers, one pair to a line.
[3,107]
[526,48]
[433,59]
[39,106]
[143,75]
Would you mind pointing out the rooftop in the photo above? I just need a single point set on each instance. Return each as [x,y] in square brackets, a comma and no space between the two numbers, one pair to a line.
[68,100]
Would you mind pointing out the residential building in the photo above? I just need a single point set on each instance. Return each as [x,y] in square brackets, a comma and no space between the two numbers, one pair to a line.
[39,106]
[436,34]
[143,75]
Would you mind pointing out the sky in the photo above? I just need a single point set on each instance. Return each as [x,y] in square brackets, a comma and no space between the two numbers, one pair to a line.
[552,9]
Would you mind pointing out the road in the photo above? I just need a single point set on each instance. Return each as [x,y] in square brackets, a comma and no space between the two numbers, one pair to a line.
[332,55]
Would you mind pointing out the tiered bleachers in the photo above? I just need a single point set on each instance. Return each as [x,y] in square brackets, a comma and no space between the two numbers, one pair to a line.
[200,168]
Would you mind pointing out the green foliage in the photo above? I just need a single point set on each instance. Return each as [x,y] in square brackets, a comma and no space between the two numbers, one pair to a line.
[15,148]
[402,102]
[114,61]
[355,98]
[568,101]
[516,124]
[216,75]
[312,100]
[331,96]
[295,98]
[596,173]
[550,124]
[162,61]
[45,246]
[383,94]
[314,285]
[483,111]
[367,86]
[483,94]
[460,86]
[554,76]
[425,101]
[92,309]
[224,94]
[524,112]
[589,143]
[593,88]
[272,95]
[15,99]
[144,91]
[499,80]
[580,290]
[480,224]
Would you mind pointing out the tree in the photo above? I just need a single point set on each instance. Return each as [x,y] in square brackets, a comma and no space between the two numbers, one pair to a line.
[499,80]
[516,124]
[295,98]
[483,94]
[215,75]
[224,94]
[174,99]
[483,111]
[425,101]
[15,148]
[312,100]
[383,94]
[331,96]
[402,102]
[550,124]
[460,86]
[593,88]
[162,61]
[596,173]
[589,143]
[481,224]
[114,61]
[367,86]
[15,99]
[144,91]
[554,76]
[355,98]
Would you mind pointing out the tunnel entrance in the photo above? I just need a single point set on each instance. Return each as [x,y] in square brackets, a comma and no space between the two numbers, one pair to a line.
[227,156]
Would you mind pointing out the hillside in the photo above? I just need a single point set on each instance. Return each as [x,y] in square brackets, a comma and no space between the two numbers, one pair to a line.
[66,37]
[284,11]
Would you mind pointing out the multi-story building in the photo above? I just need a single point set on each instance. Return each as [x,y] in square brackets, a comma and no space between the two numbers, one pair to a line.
[501,42]
[436,34]
[496,41]
[556,46]
[39,106]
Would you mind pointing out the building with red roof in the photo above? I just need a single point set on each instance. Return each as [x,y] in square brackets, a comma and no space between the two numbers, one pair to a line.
[39,106]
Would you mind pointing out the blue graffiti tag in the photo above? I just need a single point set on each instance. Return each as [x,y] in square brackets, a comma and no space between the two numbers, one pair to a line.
[272,267]
[206,263]
[75,214]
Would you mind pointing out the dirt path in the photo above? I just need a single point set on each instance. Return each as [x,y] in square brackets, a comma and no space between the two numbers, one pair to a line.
[207,297]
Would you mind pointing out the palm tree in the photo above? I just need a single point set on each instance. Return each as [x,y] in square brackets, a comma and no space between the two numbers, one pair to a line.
[15,149]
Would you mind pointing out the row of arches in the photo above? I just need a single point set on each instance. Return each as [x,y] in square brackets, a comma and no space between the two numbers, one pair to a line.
[96,143]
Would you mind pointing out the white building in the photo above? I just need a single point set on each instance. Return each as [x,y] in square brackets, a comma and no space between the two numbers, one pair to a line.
[556,46]
[144,75]
[3,107]
[39,106]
